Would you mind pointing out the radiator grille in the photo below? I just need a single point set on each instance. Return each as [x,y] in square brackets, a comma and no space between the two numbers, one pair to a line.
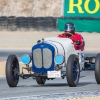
[42,58]
[37,58]
[47,58]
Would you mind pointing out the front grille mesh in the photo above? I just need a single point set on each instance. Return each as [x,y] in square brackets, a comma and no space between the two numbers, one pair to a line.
[47,58]
[37,58]
[45,55]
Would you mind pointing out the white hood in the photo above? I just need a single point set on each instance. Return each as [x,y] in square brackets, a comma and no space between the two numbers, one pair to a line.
[62,44]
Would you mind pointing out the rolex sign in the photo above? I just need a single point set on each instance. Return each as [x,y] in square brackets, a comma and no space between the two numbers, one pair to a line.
[82,8]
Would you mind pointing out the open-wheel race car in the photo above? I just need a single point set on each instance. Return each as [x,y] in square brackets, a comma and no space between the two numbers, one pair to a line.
[52,58]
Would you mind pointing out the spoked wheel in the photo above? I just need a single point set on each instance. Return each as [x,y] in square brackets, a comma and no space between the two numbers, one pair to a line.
[40,80]
[73,70]
[97,68]
[12,69]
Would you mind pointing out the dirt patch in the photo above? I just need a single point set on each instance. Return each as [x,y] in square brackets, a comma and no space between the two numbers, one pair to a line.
[2,69]
[89,98]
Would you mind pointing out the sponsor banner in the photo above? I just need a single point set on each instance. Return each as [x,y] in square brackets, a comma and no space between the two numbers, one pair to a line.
[84,8]
[81,25]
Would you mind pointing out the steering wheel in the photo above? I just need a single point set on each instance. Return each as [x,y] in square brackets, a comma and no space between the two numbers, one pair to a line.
[72,35]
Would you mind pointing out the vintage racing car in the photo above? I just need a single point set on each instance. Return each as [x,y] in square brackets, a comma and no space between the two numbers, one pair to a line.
[52,58]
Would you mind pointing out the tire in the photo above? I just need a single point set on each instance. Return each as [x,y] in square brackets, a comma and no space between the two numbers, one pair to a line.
[97,68]
[11,20]
[21,23]
[12,23]
[73,71]
[40,80]
[12,69]
[3,18]
[55,23]
[48,24]
[39,23]
[22,19]
[3,23]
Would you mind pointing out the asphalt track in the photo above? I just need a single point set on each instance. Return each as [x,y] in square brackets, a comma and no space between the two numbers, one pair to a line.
[57,88]
[51,88]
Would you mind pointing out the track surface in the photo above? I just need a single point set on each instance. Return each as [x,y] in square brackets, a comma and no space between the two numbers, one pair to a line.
[29,86]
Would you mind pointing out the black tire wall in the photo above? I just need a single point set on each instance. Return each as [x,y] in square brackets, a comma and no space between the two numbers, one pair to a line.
[13,23]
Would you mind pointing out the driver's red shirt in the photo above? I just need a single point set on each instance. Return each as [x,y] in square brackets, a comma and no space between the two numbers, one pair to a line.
[74,38]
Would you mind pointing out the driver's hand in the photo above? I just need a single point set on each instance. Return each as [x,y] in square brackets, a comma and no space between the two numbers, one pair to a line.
[77,42]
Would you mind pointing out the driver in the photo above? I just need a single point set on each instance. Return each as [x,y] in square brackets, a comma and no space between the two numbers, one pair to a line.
[76,38]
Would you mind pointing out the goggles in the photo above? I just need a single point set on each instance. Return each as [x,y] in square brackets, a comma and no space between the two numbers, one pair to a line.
[68,27]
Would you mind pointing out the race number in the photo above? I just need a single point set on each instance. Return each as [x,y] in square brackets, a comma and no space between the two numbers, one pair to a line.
[54,74]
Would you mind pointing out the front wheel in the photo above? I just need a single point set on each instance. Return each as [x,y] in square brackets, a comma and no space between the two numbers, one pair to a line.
[97,68]
[73,70]
[12,69]
[40,80]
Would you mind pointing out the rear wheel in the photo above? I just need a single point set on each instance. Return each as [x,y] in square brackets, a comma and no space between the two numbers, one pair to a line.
[73,70]
[40,80]
[12,69]
[97,68]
